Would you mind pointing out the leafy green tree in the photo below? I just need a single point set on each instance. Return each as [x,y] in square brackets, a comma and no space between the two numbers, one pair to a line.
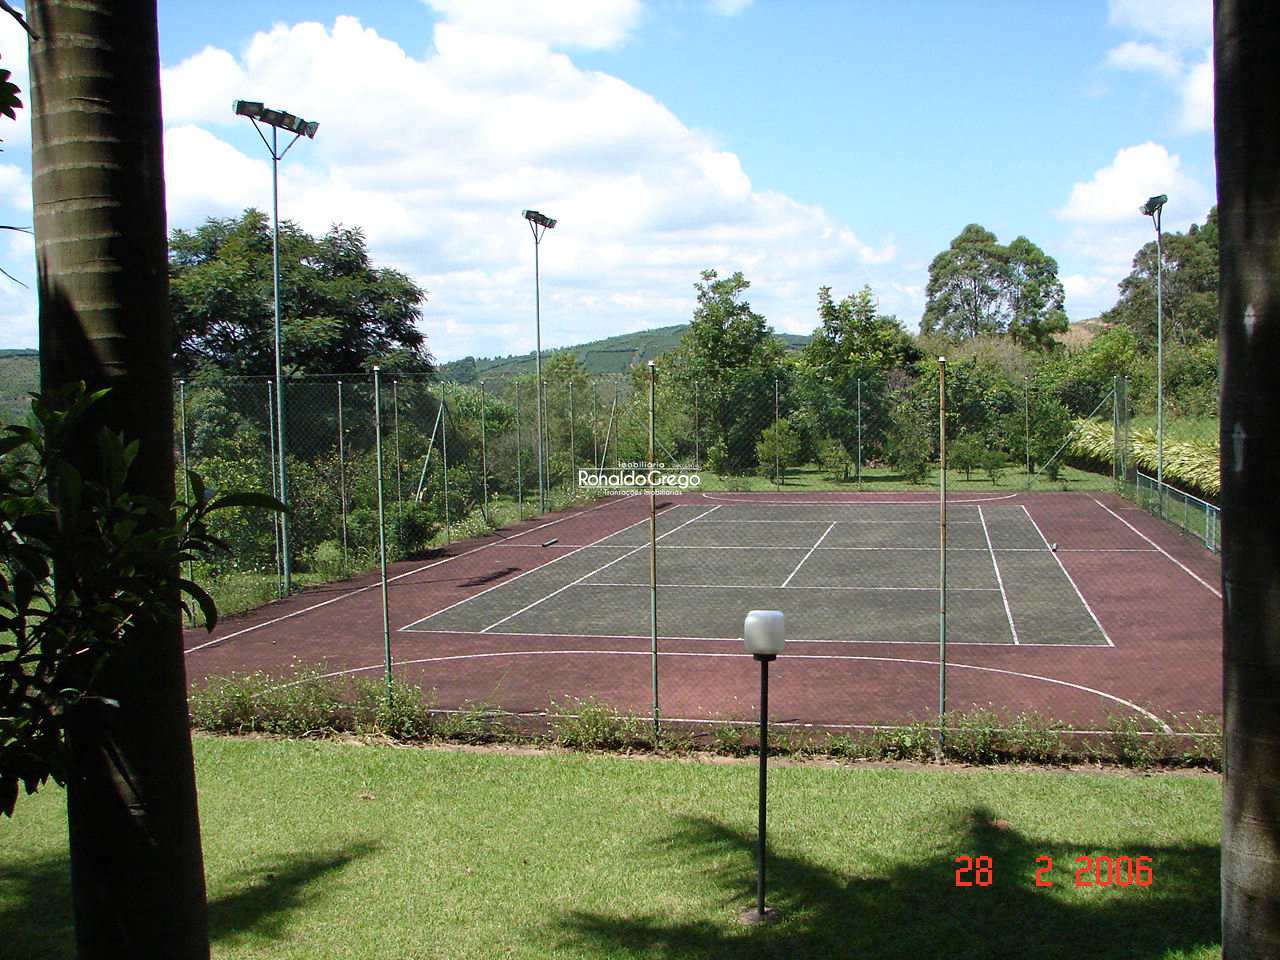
[910,443]
[339,313]
[1189,286]
[1080,378]
[777,448]
[834,458]
[732,355]
[850,355]
[993,461]
[966,453]
[978,286]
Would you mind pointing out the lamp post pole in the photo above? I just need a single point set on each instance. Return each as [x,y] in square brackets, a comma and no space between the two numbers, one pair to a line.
[1153,208]
[763,635]
[536,221]
[277,120]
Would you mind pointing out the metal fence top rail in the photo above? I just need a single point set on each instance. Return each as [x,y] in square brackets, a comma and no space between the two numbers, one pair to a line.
[1179,491]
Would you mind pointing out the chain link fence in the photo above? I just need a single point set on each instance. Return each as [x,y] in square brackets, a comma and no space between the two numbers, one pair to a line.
[1010,584]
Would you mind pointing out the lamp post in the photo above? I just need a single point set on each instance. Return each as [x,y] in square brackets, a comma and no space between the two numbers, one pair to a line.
[1152,209]
[277,120]
[539,224]
[764,635]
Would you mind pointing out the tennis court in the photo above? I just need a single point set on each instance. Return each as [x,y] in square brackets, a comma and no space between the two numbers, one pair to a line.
[1072,605]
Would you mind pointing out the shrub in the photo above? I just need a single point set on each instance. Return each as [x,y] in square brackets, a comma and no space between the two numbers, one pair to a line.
[593,725]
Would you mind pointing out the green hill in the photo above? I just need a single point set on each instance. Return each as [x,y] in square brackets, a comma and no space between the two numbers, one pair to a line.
[19,375]
[612,355]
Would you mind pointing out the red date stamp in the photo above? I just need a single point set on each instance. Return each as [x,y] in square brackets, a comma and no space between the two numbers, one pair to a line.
[1097,871]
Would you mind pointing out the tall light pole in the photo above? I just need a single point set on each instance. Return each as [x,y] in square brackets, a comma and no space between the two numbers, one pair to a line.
[277,120]
[539,224]
[1152,209]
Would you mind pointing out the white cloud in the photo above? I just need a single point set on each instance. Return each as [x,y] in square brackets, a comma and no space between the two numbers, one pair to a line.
[1180,24]
[15,189]
[445,151]
[1178,27]
[1145,56]
[1197,97]
[13,57]
[590,24]
[202,87]
[729,8]
[1117,190]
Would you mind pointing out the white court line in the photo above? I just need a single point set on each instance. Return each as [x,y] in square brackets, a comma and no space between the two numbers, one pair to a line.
[999,579]
[636,636]
[377,583]
[1105,635]
[543,566]
[951,665]
[815,522]
[933,502]
[765,586]
[1160,549]
[643,546]
[809,554]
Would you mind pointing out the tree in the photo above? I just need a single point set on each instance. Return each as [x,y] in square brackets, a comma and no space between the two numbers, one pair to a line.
[978,286]
[966,453]
[1247,136]
[137,878]
[1189,286]
[777,449]
[338,312]
[731,354]
[849,356]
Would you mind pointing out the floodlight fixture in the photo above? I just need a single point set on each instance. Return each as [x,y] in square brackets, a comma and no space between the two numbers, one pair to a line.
[277,120]
[1153,205]
[533,216]
[254,110]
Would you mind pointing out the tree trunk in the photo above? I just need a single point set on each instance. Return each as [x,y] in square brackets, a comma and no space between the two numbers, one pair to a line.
[98,184]
[1246,54]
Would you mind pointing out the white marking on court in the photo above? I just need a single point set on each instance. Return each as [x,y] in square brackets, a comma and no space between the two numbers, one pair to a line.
[876,641]
[643,546]
[1160,549]
[740,656]
[999,579]
[856,503]
[758,586]
[401,576]
[541,566]
[816,522]
[1054,554]
[809,554]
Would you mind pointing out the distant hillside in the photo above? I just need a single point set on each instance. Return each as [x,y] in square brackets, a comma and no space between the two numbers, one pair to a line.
[19,375]
[1081,332]
[612,355]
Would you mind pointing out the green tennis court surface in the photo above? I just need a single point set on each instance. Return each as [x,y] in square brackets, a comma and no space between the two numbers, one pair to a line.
[844,573]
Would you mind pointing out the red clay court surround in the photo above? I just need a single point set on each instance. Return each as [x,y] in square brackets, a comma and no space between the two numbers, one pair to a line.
[1154,594]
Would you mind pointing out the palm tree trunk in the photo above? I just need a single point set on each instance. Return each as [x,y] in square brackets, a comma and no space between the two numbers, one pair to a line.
[98,183]
[1246,52]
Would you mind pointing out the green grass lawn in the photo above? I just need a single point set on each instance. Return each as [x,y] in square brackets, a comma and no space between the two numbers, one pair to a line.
[323,849]
[1011,479]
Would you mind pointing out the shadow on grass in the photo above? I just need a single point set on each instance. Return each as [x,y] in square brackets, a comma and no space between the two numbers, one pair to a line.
[915,911]
[35,901]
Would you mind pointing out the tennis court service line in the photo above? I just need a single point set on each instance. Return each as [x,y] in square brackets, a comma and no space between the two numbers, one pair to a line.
[1054,553]
[1161,549]
[809,554]
[377,583]
[643,546]
[999,579]
[765,586]
[542,566]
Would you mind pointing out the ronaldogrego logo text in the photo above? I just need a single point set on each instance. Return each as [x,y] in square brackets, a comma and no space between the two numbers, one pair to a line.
[640,476]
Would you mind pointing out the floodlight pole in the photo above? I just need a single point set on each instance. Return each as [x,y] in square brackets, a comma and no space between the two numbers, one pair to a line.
[1153,208]
[536,221]
[272,118]
[942,555]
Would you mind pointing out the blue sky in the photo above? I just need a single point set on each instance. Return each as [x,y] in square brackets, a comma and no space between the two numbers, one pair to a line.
[804,143]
